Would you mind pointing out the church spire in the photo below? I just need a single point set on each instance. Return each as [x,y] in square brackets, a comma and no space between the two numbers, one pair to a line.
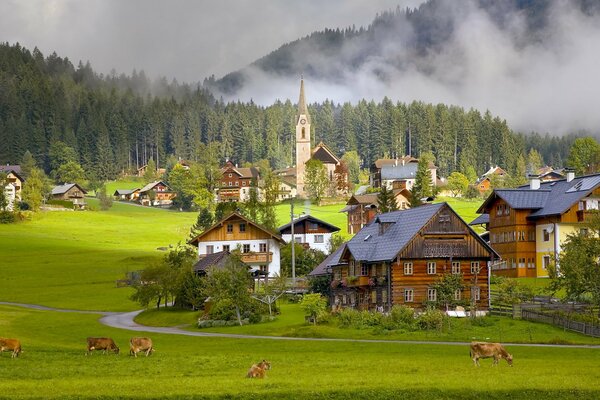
[302,110]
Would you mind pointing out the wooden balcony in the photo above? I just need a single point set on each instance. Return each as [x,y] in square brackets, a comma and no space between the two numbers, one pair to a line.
[361,281]
[257,258]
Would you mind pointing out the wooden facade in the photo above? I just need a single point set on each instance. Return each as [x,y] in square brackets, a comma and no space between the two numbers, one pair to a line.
[235,182]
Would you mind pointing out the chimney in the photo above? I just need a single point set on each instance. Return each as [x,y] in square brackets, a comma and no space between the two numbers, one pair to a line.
[534,182]
[570,174]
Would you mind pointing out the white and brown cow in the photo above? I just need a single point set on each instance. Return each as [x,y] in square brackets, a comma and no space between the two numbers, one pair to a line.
[487,350]
[13,345]
[137,344]
[104,344]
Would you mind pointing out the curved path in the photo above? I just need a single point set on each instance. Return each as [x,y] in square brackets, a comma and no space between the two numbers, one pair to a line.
[126,321]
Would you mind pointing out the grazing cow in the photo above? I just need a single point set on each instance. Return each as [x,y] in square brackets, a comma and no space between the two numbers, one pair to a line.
[137,344]
[13,345]
[487,350]
[104,344]
[259,370]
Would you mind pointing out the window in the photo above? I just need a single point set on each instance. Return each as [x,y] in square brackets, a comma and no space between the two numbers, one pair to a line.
[476,293]
[243,183]
[351,268]
[530,263]
[242,227]
[225,247]
[337,274]
[263,268]
[229,184]
[230,175]
[409,295]
[545,262]
[521,263]
[456,267]
[298,239]
[224,183]
[303,133]
[210,249]
[431,294]
[319,239]
[246,248]
[431,267]
[237,183]
[262,247]
[364,269]
[506,210]
[457,294]
[229,228]
[474,267]
[408,268]
[546,235]
[313,226]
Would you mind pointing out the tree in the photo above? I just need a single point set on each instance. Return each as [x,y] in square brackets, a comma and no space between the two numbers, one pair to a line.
[69,172]
[231,284]
[457,184]
[106,200]
[252,206]
[224,209]
[204,221]
[423,186]
[340,179]
[271,291]
[271,184]
[386,201]
[353,162]
[313,304]
[584,156]
[3,199]
[335,241]
[35,189]
[59,153]
[316,180]
[534,161]
[150,174]
[305,259]
[446,286]
[27,164]
[471,174]
[578,268]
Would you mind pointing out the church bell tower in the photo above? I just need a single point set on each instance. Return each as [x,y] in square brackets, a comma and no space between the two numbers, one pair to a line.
[302,141]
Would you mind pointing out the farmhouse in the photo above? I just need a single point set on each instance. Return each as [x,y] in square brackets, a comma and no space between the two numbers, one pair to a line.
[528,225]
[310,231]
[236,183]
[484,183]
[259,247]
[400,173]
[156,194]
[127,194]
[70,192]
[361,209]
[401,255]
[14,184]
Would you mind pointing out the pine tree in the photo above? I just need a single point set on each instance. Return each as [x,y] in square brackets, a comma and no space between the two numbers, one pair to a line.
[386,201]
[27,164]
[204,221]
[423,186]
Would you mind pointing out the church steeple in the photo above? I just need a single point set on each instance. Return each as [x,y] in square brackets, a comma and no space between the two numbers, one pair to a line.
[303,152]
[302,110]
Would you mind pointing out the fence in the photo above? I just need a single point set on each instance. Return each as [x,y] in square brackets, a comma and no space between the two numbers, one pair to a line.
[560,321]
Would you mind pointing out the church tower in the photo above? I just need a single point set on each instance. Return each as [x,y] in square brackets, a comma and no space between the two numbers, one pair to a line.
[302,141]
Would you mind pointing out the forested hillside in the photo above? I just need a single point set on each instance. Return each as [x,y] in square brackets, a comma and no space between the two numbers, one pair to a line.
[119,122]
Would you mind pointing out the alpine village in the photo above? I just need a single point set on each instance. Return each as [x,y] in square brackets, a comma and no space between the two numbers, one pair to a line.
[292,241]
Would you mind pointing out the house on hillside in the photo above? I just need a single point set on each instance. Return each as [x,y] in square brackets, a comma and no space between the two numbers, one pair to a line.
[14,184]
[398,173]
[235,183]
[156,194]
[528,225]
[70,192]
[550,174]
[126,194]
[259,247]
[484,183]
[362,209]
[399,256]
[310,231]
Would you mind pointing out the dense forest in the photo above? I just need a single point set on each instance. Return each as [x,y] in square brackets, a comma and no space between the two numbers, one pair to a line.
[118,122]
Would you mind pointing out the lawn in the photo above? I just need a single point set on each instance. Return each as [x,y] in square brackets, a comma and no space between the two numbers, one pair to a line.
[53,365]
[329,213]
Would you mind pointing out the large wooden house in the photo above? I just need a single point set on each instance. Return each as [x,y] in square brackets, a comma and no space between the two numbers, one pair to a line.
[484,183]
[398,258]
[259,247]
[235,183]
[13,185]
[156,194]
[400,173]
[528,225]
[310,231]
[70,192]
[362,208]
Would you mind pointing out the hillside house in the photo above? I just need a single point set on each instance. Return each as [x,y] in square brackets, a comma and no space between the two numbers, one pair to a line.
[528,225]
[126,194]
[484,183]
[156,194]
[399,256]
[70,192]
[362,209]
[235,183]
[13,185]
[398,173]
[310,231]
[259,247]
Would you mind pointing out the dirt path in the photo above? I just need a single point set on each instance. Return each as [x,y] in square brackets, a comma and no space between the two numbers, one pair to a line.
[126,321]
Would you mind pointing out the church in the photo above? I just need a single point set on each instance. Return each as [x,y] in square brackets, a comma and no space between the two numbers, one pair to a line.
[304,153]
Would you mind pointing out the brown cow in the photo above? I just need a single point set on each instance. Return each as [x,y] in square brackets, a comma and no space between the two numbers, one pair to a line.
[487,350]
[259,370]
[104,344]
[13,345]
[137,344]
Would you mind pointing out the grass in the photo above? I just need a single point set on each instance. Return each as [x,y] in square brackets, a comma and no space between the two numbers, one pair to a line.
[53,365]
[466,208]
[329,213]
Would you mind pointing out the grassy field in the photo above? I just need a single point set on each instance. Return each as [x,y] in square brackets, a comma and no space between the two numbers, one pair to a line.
[53,365]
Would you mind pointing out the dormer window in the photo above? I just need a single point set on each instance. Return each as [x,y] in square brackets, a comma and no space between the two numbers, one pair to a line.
[384,226]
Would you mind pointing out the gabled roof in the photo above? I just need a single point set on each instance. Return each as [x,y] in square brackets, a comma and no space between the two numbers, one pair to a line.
[124,192]
[64,188]
[393,172]
[312,219]
[211,260]
[8,168]
[251,172]
[371,246]
[495,170]
[552,198]
[365,199]
[322,153]
[237,216]
[379,163]
[151,186]
[331,260]
[482,219]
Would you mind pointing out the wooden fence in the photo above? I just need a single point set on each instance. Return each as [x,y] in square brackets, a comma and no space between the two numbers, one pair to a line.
[560,321]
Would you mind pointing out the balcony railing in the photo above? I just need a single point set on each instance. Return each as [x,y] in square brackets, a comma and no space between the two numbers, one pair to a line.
[359,281]
[255,258]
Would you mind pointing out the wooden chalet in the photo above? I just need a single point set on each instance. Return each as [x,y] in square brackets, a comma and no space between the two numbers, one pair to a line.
[398,257]
[13,185]
[484,184]
[126,194]
[362,209]
[309,231]
[70,192]
[259,247]
[163,196]
[235,183]
[528,225]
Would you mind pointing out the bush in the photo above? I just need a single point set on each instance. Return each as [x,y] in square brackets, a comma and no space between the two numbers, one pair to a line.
[432,319]
[222,310]
[402,315]
[7,217]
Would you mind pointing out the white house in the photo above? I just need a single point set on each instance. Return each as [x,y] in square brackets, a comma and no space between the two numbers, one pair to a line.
[309,231]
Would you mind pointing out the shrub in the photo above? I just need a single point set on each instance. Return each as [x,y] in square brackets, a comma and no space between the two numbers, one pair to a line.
[402,315]
[222,310]
[432,319]
[7,217]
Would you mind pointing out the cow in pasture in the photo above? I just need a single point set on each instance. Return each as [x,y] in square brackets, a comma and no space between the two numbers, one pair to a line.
[487,350]
[259,370]
[104,344]
[137,344]
[13,345]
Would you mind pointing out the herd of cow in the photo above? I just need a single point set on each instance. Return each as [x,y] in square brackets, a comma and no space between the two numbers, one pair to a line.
[143,344]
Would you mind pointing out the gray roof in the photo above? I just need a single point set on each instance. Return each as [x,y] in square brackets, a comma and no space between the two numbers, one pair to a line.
[406,171]
[119,192]
[331,260]
[8,168]
[524,199]
[151,185]
[482,219]
[369,245]
[60,189]
[310,218]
